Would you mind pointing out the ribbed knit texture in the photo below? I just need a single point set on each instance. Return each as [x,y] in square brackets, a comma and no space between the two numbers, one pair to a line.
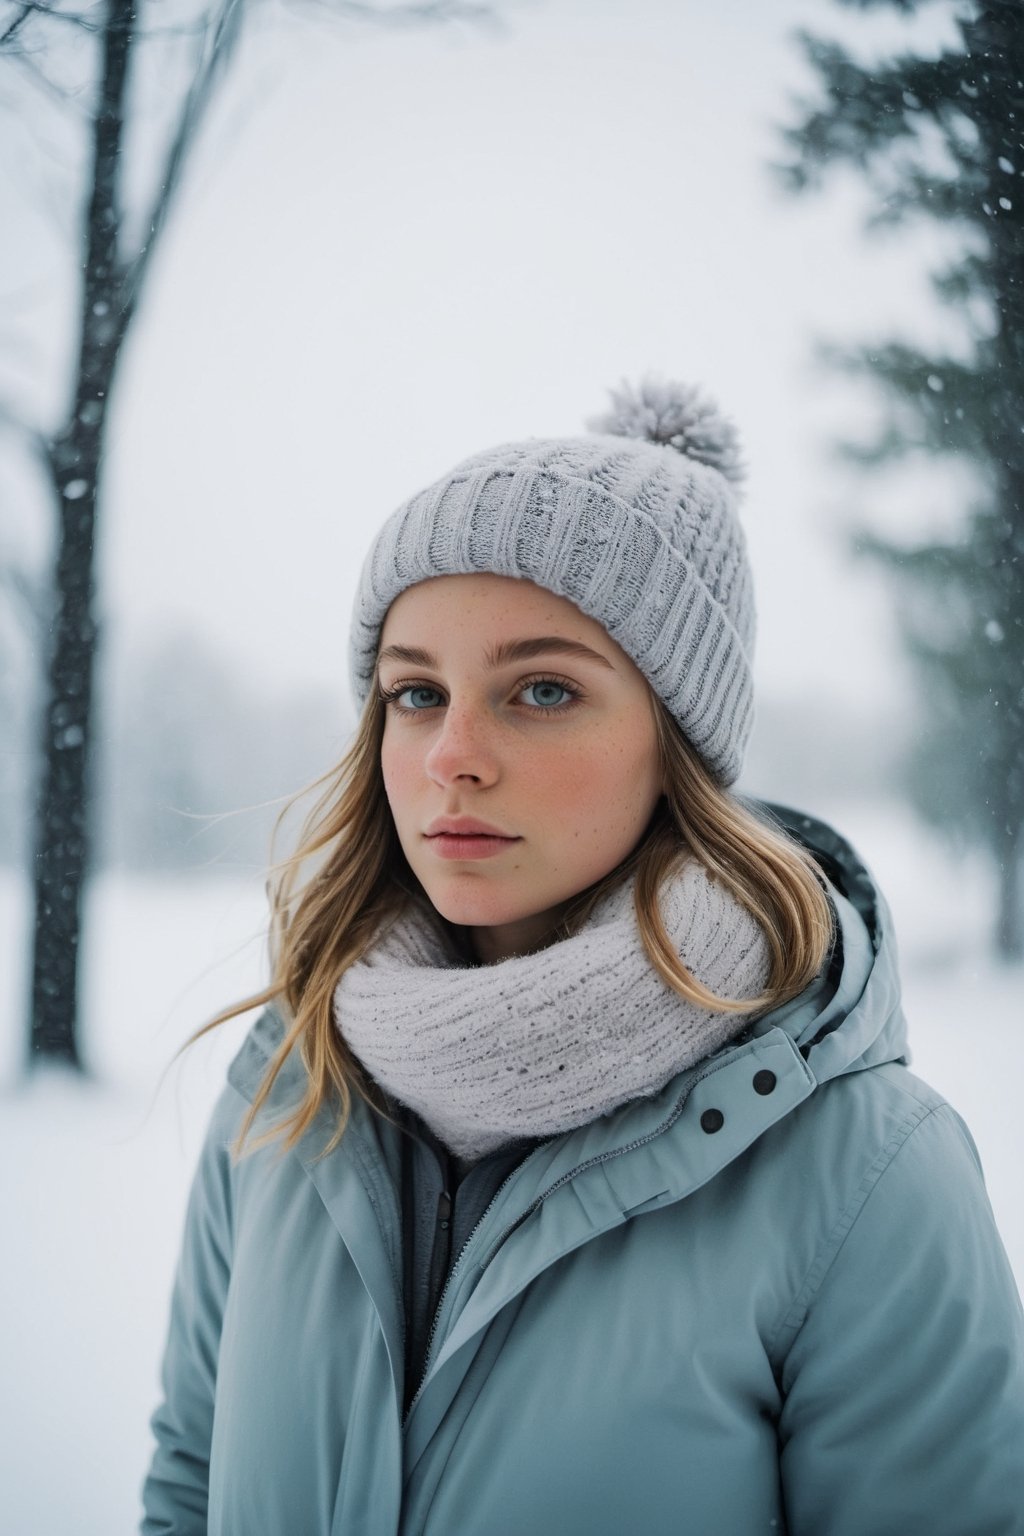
[640,537]
[541,1043]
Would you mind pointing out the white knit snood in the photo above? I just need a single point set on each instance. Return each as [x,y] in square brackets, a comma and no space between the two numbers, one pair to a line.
[541,1043]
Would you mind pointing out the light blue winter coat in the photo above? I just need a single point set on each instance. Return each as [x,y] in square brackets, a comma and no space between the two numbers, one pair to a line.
[801,1322]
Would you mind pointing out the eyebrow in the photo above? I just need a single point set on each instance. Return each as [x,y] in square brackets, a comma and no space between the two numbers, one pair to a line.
[503,653]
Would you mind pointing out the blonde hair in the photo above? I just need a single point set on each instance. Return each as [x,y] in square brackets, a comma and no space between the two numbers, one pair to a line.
[324,918]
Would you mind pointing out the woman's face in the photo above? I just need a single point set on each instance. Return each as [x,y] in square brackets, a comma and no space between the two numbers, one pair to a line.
[511,710]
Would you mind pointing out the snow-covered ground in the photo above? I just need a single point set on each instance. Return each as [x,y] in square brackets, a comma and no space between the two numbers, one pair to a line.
[94,1175]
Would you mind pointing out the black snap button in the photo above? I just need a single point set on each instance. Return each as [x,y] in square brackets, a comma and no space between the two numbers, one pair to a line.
[711,1121]
[764,1081]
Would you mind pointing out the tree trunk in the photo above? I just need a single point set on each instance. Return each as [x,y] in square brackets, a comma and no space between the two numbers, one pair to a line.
[1010,915]
[62,842]
[62,808]
[996,41]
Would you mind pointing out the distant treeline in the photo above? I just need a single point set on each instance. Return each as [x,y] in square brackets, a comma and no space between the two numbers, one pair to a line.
[192,746]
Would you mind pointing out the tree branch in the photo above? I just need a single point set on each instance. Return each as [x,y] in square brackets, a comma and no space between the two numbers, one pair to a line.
[412,14]
[27,8]
[917,193]
[904,367]
[15,26]
[905,7]
[929,560]
[30,596]
[942,400]
[37,441]
[216,46]
[55,92]
[967,278]
[960,438]
[866,111]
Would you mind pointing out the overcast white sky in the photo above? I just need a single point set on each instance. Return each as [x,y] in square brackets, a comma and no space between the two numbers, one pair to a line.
[397,248]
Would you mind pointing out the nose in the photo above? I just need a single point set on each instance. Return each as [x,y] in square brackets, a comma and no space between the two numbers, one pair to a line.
[462,749]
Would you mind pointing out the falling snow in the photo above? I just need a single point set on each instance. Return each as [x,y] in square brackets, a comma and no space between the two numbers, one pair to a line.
[93,1176]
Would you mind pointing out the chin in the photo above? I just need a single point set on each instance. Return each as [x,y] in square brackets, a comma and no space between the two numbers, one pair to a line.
[481,908]
[476,914]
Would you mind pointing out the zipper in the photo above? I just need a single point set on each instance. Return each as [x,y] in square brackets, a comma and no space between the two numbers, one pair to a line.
[441,1247]
[448,1283]
[603,1157]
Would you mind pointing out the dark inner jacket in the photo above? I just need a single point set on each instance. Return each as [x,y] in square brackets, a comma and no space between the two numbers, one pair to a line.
[443,1199]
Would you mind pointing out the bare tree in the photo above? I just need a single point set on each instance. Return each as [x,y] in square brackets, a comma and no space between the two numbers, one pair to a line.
[100,45]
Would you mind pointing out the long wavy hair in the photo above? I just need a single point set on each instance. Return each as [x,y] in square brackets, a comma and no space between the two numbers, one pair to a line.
[348,877]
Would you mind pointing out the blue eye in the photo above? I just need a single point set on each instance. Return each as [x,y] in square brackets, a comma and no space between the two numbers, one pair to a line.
[545,694]
[550,697]
[416,697]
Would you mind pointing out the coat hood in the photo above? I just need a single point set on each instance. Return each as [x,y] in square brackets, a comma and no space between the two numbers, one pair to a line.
[851,1016]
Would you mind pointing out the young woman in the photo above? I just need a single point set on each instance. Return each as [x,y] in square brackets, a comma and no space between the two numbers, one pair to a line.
[572,1182]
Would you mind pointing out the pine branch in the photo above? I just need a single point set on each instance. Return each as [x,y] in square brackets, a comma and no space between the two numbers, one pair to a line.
[933,562]
[892,444]
[904,368]
[967,278]
[941,405]
[865,111]
[918,193]
[905,7]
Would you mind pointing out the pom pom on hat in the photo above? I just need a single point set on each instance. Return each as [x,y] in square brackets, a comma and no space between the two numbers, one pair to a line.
[678,416]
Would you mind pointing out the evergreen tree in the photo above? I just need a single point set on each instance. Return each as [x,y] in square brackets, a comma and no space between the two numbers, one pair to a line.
[942,137]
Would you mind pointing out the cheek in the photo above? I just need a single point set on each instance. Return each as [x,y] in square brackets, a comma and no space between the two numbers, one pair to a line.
[609,788]
[399,772]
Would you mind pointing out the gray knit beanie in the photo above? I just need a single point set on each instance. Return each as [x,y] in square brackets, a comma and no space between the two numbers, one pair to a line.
[637,525]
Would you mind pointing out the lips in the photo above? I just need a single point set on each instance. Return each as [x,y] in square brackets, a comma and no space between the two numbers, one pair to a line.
[466,826]
[460,838]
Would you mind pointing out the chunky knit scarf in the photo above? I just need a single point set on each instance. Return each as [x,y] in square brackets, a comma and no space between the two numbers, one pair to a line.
[541,1043]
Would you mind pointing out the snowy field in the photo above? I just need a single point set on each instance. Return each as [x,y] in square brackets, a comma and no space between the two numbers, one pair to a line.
[95,1174]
